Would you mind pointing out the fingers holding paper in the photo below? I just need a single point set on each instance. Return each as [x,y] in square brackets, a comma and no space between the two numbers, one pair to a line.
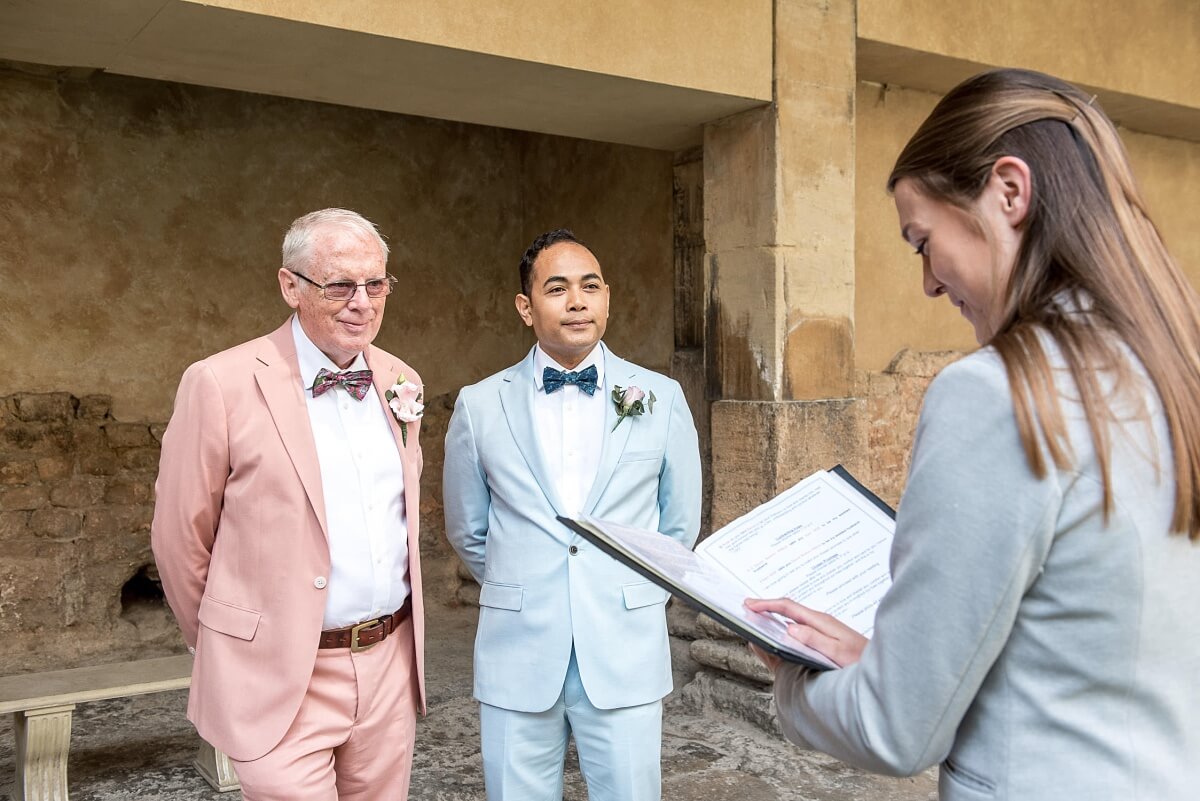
[817,630]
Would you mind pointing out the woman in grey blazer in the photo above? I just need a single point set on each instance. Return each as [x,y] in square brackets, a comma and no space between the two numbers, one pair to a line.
[1040,638]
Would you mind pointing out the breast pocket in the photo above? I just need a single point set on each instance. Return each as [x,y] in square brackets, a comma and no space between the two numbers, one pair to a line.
[501,596]
[642,456]
[227,618]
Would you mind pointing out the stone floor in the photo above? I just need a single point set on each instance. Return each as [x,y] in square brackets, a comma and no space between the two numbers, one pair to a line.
[141,748]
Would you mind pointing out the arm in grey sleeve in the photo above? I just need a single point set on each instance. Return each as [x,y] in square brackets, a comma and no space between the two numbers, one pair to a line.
[465,494]
[680,485]
[973,529]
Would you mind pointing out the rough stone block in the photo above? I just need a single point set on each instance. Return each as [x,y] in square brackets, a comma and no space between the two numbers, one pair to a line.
[708,693]
[19,470]
[45,407]
[712,630]
[54,523]
[99,463]
[52,467]
[140,459]
[129,492]
[95,407]
[682,620]
[731,657]
[127,435]
[13,525]
[78,492]
[157,430]
[23,498]
[116,521]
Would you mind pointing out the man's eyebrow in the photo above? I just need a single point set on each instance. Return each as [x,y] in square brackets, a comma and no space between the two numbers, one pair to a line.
[904,231]
[555,279]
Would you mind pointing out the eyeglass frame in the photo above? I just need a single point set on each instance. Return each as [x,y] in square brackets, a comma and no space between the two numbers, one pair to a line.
[388,278]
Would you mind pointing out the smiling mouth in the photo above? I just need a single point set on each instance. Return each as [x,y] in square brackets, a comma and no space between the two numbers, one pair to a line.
[577,323]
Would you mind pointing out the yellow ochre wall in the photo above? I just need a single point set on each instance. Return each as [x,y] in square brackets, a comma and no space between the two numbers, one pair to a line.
[891,311]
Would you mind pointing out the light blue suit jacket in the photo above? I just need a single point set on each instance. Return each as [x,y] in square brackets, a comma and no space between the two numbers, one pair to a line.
[543,587]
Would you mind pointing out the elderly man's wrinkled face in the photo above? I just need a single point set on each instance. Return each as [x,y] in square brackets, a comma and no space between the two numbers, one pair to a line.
[340,329]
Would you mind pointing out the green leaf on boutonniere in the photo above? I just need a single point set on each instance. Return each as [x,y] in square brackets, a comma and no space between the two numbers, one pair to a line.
[652,400]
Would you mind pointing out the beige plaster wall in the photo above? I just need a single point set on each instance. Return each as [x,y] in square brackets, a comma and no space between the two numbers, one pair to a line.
[1146,49]
[714,45]
[891,311]
[140,225]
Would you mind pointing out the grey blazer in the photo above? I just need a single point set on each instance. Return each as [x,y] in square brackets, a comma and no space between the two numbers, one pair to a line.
[1031,648]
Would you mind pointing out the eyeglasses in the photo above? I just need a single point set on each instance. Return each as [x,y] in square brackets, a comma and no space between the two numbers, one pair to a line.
[341,291]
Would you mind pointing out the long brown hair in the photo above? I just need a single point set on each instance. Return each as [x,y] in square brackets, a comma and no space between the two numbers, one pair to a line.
[1086,234]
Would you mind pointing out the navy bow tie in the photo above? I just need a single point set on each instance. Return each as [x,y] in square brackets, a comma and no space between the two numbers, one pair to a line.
[554,380]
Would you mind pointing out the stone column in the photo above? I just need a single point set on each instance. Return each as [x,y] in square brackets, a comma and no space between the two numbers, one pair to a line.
[779,230]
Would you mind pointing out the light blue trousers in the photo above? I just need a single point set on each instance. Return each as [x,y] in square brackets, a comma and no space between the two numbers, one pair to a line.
[619,749]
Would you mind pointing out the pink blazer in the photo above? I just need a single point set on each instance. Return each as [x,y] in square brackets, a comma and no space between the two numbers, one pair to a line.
[241,540]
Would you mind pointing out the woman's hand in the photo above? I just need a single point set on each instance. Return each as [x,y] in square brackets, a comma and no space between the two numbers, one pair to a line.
[817,630]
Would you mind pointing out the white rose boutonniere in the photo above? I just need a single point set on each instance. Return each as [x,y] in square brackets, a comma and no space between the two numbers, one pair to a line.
[405,398]
[631,402]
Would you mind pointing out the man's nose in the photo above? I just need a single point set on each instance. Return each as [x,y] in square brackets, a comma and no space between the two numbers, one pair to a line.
[360,297]
[576,299]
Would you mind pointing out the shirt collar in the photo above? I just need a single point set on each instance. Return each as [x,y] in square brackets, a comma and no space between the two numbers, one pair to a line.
[542,360]
[311,360]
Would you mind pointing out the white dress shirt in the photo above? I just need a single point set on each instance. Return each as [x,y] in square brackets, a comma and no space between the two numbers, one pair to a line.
[362,479]
[570,429]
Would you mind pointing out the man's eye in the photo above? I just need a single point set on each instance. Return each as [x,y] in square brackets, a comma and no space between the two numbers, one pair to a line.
[342,286]
[374,284]
[921,250]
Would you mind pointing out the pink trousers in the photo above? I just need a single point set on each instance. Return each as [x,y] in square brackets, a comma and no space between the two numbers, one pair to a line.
[352,739]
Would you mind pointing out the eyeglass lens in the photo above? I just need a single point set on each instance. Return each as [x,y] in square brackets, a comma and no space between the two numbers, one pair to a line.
[344,290]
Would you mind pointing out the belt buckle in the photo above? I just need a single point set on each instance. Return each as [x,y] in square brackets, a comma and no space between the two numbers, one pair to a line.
[355,647]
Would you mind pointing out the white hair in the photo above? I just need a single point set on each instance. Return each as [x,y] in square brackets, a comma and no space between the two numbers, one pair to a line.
[300,236]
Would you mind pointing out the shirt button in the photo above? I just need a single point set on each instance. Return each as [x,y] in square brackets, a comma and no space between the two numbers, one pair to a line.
[572,550]
[319,582]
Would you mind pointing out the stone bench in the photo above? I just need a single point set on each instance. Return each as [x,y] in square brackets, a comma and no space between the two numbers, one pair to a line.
[41,705]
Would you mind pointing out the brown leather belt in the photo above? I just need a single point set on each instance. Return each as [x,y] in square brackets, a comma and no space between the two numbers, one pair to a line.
[363,635]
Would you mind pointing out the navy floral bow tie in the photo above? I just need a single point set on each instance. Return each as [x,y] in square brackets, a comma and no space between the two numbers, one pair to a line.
[554,380]
[355,382]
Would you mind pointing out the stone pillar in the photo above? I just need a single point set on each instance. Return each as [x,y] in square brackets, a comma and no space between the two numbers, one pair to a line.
[779,230]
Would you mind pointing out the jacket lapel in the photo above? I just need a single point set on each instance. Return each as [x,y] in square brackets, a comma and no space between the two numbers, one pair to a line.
[384,372]
[279,380]
[517,402]
[617,372]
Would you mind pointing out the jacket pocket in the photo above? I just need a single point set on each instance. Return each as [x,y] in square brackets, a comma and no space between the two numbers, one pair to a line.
[229,619]
[978,786]
[643,593]
[641,456]
[501,596]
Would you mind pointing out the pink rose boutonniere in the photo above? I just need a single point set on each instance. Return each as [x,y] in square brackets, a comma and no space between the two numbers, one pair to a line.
[405,398]
[631,402]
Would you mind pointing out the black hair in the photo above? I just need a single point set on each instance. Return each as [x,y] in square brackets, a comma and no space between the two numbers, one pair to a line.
[548,239]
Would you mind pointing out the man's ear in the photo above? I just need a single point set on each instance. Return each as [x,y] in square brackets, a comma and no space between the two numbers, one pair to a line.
[523,309]
[289,287]
[1012,182]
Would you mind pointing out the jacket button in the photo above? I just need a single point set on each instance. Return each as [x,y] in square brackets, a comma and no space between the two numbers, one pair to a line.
[572,550]
[319,582]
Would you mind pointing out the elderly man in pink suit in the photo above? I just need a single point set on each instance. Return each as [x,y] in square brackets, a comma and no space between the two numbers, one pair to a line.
[285,532]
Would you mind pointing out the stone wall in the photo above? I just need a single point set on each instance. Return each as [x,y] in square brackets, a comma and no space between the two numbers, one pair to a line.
[77,578]
[76,500]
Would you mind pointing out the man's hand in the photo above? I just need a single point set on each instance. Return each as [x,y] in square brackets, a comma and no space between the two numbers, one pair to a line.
[817,630]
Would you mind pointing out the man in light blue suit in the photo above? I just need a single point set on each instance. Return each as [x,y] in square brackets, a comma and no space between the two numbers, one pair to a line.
[570,642]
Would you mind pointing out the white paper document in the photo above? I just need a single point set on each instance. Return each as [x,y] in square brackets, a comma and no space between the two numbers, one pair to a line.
[824,543]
